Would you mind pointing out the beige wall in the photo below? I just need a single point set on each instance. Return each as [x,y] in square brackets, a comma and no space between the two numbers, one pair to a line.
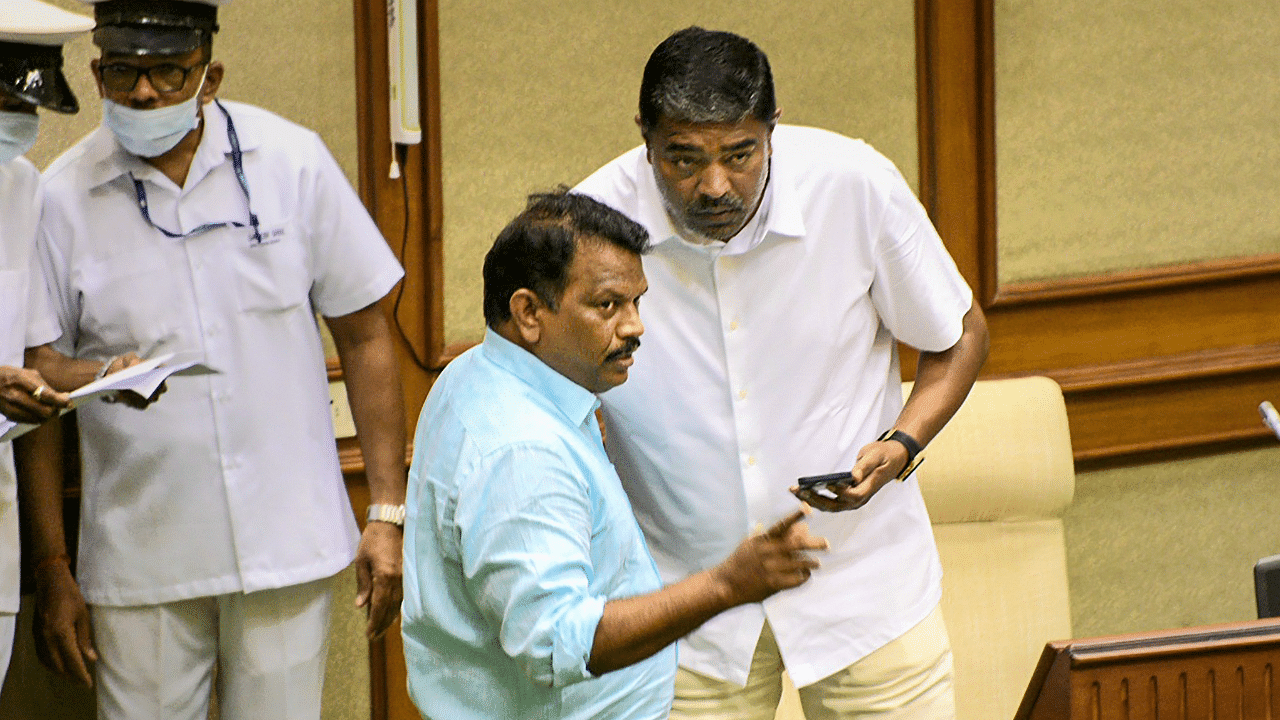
[1173,544]
[1133,134]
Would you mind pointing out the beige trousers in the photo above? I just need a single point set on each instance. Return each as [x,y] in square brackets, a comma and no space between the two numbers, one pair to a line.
[156,662]
[908,679]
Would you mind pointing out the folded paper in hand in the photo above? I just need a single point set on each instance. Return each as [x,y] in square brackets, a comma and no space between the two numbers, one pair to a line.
[143,378]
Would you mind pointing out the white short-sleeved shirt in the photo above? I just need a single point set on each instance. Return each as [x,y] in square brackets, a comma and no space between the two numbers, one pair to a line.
[25,321]
[231,481]
[773,356]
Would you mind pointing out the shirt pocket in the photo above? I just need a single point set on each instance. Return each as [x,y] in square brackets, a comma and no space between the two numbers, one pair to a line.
[13,301]
[130,303]
[272,277]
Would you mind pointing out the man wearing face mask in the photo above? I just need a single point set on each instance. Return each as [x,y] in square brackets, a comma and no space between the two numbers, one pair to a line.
[31,38]
[213,523]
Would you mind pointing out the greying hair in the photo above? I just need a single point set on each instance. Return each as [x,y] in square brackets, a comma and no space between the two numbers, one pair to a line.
[706,76]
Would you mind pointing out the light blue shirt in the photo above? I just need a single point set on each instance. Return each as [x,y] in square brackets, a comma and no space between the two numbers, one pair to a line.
[517,533]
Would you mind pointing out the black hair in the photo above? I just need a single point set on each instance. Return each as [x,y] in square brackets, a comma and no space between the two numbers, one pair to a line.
[535,249]
[702,76]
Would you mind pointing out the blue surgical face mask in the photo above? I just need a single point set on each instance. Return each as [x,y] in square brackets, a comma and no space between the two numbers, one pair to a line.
[17,133]
[151,133]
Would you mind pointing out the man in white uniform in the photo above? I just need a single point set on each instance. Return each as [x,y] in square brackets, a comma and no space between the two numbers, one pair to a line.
[788,264]
[31,38]
[212,523]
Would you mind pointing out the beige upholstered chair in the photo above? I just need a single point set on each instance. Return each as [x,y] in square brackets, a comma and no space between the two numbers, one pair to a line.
[997,481]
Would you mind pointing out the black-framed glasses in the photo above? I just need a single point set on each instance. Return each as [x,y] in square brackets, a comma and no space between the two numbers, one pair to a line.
[165,77]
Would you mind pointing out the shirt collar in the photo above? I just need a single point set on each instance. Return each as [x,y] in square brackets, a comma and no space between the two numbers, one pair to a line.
[574,401]
[108,160]
[780,207]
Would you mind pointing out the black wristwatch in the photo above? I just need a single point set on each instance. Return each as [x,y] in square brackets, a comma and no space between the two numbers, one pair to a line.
[913,450]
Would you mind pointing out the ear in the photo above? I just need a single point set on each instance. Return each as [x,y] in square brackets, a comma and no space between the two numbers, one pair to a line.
[648,149]
[212,82]
[524,305]
[97,77]
[773,123]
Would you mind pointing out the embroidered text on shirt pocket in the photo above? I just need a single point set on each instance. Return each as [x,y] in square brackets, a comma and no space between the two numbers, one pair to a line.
[272,277]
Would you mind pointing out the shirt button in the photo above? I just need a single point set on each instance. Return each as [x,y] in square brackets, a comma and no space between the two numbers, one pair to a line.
[742,394]
[759,528]
[733,325]
[751,460]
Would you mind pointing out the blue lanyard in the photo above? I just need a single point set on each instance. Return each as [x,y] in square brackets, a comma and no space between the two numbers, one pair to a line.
[237,162]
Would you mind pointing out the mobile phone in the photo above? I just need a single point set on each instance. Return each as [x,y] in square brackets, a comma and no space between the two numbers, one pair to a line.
[823,481]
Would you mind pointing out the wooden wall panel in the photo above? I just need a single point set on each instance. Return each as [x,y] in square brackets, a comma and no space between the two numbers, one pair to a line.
[1196,345]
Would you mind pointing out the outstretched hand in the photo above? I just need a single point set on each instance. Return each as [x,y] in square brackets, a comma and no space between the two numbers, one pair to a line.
[775,560]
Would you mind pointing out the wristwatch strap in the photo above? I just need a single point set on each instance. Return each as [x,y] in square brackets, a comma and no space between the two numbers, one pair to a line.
[913,450]
[393,514]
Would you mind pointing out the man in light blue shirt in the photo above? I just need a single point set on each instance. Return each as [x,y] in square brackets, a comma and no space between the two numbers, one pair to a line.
[529,591]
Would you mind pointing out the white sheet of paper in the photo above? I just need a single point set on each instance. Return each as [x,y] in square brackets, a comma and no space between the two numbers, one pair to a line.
[142,378]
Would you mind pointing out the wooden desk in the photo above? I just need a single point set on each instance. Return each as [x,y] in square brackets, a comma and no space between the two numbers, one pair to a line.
[1215,671]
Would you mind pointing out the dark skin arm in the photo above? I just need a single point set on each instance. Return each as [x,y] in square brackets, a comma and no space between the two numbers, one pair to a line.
[372,375]
[67,374]
[943,380]
[633,629]
[63,636]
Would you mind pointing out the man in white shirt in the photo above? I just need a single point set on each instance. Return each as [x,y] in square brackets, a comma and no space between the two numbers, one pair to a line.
[212,523]
[31,37]
[788,263]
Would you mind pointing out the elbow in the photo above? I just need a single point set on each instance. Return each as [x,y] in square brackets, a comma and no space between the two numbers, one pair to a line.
[977,335]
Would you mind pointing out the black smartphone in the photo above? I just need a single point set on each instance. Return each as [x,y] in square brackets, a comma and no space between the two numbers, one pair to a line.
[813,482]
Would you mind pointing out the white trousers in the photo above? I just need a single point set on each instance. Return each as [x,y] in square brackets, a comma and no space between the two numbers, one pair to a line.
[156,662]
[908,679]
[8,622]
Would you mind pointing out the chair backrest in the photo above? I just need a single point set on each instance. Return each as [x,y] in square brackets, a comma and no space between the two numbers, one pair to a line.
[996,481]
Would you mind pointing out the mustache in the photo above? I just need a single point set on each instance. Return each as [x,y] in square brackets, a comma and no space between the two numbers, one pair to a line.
[706,206]
[630,346]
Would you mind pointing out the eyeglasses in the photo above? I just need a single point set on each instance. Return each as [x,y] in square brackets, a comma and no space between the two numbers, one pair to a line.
[165,78]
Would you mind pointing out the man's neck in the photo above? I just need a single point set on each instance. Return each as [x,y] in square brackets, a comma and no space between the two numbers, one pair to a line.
[176,162]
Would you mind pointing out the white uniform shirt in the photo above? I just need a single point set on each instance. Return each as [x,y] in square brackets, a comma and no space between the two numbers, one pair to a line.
[231,481]
[26,320]
[770,357]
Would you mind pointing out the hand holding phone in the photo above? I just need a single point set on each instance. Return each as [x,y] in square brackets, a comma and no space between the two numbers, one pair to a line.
[815,481]
[821,484]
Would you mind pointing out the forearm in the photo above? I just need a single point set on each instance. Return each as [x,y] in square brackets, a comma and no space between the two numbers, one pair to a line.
[943,380]
[61,372]
[632,629]
[635,628]
[372,377]
[40,490]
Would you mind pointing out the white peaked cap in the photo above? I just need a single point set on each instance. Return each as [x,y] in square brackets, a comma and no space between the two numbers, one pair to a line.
[32,22]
